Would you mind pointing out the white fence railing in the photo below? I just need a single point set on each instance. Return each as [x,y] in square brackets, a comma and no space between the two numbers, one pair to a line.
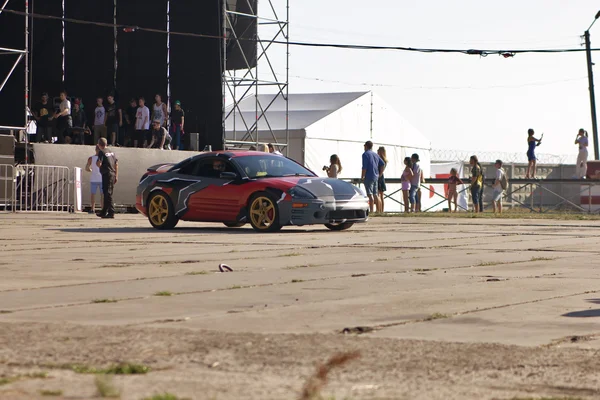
[44,188]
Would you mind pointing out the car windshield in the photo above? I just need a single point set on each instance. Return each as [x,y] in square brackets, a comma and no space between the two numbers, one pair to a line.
[268,166]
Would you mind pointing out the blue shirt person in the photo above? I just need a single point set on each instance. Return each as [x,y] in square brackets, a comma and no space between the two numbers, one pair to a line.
[372,167]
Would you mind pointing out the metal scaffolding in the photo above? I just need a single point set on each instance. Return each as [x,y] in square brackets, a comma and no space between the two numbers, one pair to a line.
[249,82]
[20,54]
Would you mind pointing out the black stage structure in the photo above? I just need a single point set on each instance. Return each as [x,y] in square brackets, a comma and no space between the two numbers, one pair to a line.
[188,68]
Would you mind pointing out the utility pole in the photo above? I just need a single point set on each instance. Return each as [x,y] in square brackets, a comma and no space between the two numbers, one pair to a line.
[588,53]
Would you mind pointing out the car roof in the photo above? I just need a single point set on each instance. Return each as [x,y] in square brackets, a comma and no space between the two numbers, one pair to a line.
[236,153]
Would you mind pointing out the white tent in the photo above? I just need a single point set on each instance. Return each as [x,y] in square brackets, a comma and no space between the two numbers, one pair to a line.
[321,124]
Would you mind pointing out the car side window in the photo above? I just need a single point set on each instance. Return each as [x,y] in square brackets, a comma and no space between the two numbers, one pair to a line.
[212,168]
[190,168]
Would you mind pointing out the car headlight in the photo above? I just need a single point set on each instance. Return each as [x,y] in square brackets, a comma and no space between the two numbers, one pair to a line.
[298,193]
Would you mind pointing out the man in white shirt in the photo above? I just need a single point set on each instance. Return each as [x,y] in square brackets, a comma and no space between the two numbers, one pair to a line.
[63,118]
[142,124]
[497,186]
[99,120]
[95,180]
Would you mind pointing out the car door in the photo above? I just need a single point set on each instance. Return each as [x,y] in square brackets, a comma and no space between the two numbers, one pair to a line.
[217,198]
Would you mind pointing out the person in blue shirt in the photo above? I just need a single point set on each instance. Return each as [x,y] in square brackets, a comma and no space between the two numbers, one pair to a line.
[372,167]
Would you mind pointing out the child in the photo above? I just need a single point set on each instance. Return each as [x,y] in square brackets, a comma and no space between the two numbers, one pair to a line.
[452,192]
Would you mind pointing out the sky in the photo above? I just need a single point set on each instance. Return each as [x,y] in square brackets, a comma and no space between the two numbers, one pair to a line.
[458,101]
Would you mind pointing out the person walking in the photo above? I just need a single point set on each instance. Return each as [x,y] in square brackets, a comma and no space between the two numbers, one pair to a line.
[63,118]
[372,167]
[177,122]
[452,192]
[335,166]
[43,113]
[159,111]
[381,188]
[415,183]
[95,180]
[160,137]
[406,178]
[532,143]
[142,124]
[114,119]
[476,182]
[498,187]
[109,169]
[582,141]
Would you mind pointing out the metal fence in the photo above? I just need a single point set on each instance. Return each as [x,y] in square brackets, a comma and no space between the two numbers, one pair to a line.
[43,188]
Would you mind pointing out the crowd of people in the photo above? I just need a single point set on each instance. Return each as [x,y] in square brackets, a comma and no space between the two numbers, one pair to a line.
[134,126]
[375,163]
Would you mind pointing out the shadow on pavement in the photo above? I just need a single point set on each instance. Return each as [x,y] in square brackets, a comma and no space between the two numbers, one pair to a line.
[224,230]
[585,313]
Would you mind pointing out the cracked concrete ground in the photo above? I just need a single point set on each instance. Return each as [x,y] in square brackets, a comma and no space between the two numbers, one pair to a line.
[454,308]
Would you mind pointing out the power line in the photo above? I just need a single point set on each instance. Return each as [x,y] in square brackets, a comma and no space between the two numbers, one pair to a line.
[544,83]
[479,52]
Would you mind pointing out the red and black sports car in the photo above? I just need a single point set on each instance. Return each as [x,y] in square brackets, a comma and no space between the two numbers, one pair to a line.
[266,190]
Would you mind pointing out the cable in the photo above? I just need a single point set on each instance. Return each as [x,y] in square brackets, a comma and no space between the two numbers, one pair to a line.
[439,87]
[479,52]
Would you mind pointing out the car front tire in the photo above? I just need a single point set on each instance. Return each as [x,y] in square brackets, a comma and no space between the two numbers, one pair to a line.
[263,212]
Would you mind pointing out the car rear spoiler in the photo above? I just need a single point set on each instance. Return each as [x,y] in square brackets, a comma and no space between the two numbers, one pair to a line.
[159,168]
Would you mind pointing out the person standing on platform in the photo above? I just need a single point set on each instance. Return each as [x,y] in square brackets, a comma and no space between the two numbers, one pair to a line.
[63,118]
[582,156]
[99,127]
[142,124]
[130,123]
[177,123]
[109,168]
[95,180]
[159,111]
[114,120]
[372,167]
[79,123]
[42,112]
[532,143]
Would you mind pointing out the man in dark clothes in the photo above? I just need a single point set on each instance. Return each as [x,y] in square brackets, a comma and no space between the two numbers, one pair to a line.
[130,122]
[109,168]
[43,113]
[160,137]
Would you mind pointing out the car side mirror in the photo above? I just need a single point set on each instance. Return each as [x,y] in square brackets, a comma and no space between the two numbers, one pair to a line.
[228,175]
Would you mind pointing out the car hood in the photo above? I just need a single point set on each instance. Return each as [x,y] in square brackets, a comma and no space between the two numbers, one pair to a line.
[323,188]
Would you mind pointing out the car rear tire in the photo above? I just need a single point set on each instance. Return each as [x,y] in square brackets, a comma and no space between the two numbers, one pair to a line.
[161,212]
[234,224]
[263,212]
[341,226]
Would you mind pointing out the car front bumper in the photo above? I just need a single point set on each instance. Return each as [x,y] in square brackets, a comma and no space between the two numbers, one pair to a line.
[317,211]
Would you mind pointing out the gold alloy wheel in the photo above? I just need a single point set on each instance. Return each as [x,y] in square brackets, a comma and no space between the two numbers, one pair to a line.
[158,210]
[262,212]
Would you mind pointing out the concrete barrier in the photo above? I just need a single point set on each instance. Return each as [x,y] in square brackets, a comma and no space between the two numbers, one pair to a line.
[132,165]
